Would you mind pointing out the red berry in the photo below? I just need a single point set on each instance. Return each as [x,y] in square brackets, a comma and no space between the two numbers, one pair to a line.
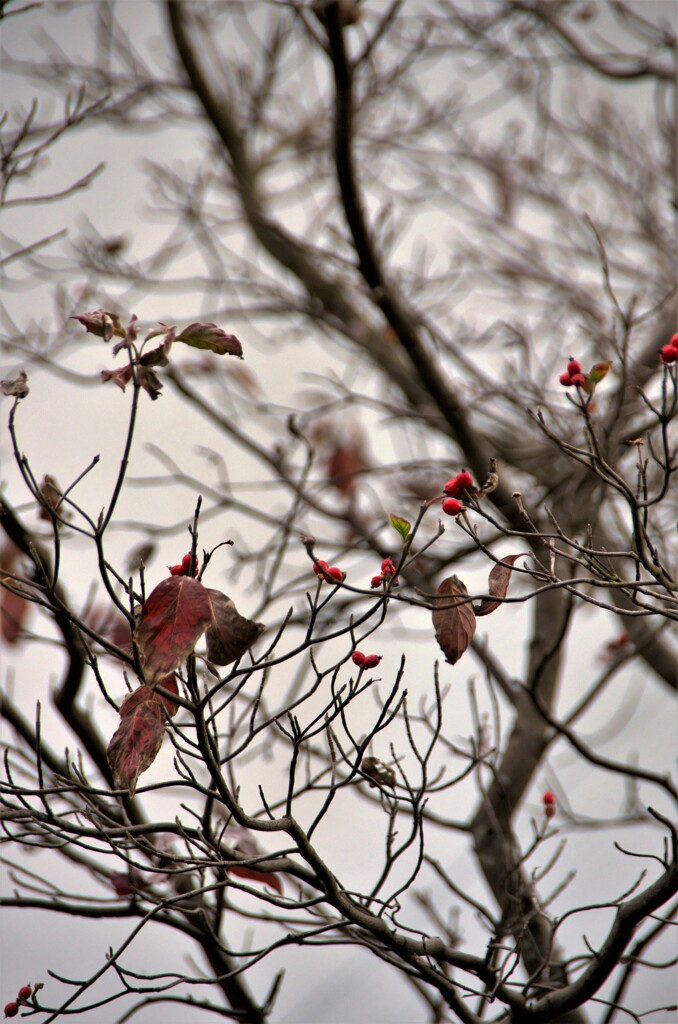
[452,507]
[578,379]
[464,480]
[11,1009]
[388,567]
[565,380]
[358,658]
[25,992]
[549,798]
[669,354]
[573,367]
[376,581]
[674,341]
[372,660]
[336,574]
[451,487]
[184,569]
[319,567]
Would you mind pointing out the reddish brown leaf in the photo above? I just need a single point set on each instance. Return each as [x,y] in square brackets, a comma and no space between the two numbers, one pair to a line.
[499,580]
[453,619]
[266,877]
[13,607]
[171,622]
[136,742]
[209,336]
[145,693]
[230,634]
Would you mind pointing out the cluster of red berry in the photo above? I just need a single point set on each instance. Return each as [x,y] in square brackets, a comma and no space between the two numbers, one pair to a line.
[365,660]
[573,375]
[387,574]
[549,799]
[669,353]
[328,573]
[23,995]
[184,568]
[457,485]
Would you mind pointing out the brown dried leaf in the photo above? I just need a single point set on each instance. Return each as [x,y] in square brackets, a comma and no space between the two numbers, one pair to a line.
[454,620]
[230,634]
[16,387]
[498,584]
[137,740]
[171,622]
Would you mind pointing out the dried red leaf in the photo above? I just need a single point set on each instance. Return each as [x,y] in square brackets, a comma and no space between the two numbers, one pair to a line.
[230,634]
[499,580]
[209,336]
[13,607]
[454,620]
[265,877]
[145,693]
[136,742]
[344,464]
[172,620]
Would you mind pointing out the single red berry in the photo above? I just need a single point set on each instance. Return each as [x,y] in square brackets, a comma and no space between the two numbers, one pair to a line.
[372,660]
[451,487]
[319,568]
[11,1009]
[668,354]
[358,658]
[25,992]
[376,581]
[573,367]
[464,480]
[452,507]
[336,574]
[549,798]
[578,379]
[176,570]
[565,380]
[674,341]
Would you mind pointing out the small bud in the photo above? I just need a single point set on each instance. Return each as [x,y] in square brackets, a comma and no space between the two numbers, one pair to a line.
[376,581]
[11,1009]
[388,567]
[25,992]
[371,660]
[452,507]
[358,658]
[573,367]
[566,380]
[669,354]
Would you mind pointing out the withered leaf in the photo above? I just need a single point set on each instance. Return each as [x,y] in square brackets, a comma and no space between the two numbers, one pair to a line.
[454,620]
[137,740]
[378,773]
[172,620]
[16,387]
[229,634]
[498,584]
[209,336]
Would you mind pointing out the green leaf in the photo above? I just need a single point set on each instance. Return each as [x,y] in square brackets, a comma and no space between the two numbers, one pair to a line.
[401,526]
